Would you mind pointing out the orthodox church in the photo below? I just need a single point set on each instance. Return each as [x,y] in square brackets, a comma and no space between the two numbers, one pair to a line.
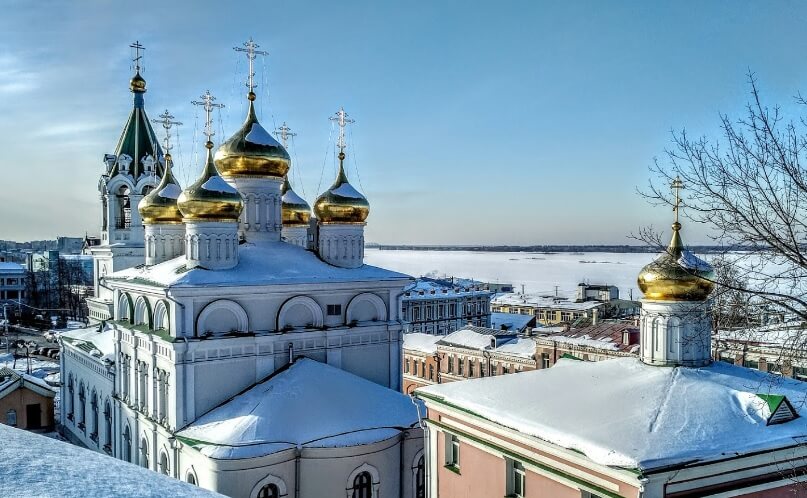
[242,344]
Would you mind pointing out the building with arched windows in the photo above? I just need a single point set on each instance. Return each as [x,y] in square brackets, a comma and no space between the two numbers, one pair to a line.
[255,362]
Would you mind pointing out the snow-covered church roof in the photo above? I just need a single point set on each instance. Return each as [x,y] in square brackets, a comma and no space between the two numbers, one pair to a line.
[264,264]
[624,413]
[309,404]
[35,465]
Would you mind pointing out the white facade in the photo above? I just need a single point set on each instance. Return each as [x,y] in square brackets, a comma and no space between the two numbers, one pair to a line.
[342,244]
[260,220]
[164,241]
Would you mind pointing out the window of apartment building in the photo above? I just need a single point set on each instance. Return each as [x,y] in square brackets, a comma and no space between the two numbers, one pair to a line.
[415,368]
[428,312]
[800,373]
[452,450]
[588,494]
[415,313]
[450,364]
[440,311]
[470,368]
[751,363]
[452,310]
[406,365]
[493,370]
[505,370]
[423,368]
[516,479]
[565,316]
[334,309]
[431,372]
[460,366]
[544,360]
[725,358]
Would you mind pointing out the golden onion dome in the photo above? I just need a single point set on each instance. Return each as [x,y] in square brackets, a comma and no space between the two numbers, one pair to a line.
[160,205]
[295,210]
[137,84]
[342,203]
[252,151]
[676,274]
[210,198]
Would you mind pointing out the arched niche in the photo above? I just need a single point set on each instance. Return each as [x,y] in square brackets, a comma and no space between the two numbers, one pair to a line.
[222,317]
[266,481]
[366,307]
[162,316]
[125,308]
[299,312]
[142,312]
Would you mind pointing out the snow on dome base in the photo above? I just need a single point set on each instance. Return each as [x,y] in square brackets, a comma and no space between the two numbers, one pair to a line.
[627,414]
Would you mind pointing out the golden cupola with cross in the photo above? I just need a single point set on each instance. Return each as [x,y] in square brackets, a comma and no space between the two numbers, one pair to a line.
[676,274]
[252,152]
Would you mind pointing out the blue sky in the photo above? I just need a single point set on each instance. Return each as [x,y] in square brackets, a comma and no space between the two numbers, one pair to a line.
[476,122]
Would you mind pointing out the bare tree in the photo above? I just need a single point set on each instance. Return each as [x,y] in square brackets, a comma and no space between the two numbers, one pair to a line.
[750,188]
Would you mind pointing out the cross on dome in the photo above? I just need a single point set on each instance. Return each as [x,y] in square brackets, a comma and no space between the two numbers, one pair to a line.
[284,132]
[208,103]
[167,123]
[250,48]
[138,47]
[677,185]
[341,118]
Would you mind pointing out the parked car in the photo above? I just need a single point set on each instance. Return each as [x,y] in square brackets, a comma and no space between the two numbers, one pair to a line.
[51,336]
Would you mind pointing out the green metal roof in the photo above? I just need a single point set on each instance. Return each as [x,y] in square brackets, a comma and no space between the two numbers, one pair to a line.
[137,140]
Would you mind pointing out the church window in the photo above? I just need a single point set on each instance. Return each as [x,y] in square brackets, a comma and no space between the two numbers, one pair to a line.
[450,364]
[334,310]
[11,418]
[420,478]
[452,450]
[127,444]
[269,491]
[70,398]
[144,453]
[588,494]
[94,411]
[517,479]
[415,368]
[124,213]
[163,463]
[406,365]
[191,478]
[108,426]
[81,406]
[363,486]
[471,368]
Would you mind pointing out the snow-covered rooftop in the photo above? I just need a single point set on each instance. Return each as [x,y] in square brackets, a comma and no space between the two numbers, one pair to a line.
[624,413]
[424,343]
[431,288]
[258,264]
[102,341]
[790,334]
[539,301]
[310,404]
[8,267]
[510,321]
[35,465]
[520,346]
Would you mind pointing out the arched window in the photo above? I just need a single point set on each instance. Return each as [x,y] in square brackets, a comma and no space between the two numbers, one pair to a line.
[191,478]
[11,418]
[127,444]
[163,463]
[363,485]
[108,426]
[70,398]
[82,406]
[144,453]
[420,478]
[94,416]
[269,491]
[124,215]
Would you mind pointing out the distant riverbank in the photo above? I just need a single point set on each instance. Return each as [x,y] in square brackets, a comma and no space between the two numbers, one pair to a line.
[548,249]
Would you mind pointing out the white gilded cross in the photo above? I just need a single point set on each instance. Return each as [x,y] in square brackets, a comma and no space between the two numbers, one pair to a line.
[208,104]
[167,123]
[250,48]
[677,185]
[341,117]
[284,132]
[138,47]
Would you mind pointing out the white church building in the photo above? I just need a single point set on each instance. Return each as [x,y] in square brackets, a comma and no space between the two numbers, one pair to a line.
[242,345]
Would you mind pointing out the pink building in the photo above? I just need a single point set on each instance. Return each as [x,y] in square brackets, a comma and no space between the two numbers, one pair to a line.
[668,424]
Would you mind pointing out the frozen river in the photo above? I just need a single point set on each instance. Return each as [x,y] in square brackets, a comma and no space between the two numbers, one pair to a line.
[537,272]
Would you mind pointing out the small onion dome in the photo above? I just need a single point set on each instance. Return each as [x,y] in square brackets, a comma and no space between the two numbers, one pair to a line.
[160,205]
[341,203]
[252,151]
[295,210]
[137,84]
[210,198]
[676,274]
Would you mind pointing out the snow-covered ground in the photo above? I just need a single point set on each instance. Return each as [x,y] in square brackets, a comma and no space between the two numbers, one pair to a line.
[538,272]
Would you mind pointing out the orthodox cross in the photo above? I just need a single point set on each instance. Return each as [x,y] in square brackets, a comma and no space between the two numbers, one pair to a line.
[138,47]
[166,121]
[284,132]
[342,120]
[677,185]
[250,48]
[208,104]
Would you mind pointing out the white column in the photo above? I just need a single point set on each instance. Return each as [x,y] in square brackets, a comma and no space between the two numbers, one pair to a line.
[261,219]
[342,244]
[164,242]
[212,245]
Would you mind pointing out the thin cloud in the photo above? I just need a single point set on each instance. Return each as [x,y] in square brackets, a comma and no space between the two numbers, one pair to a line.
[14,78]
